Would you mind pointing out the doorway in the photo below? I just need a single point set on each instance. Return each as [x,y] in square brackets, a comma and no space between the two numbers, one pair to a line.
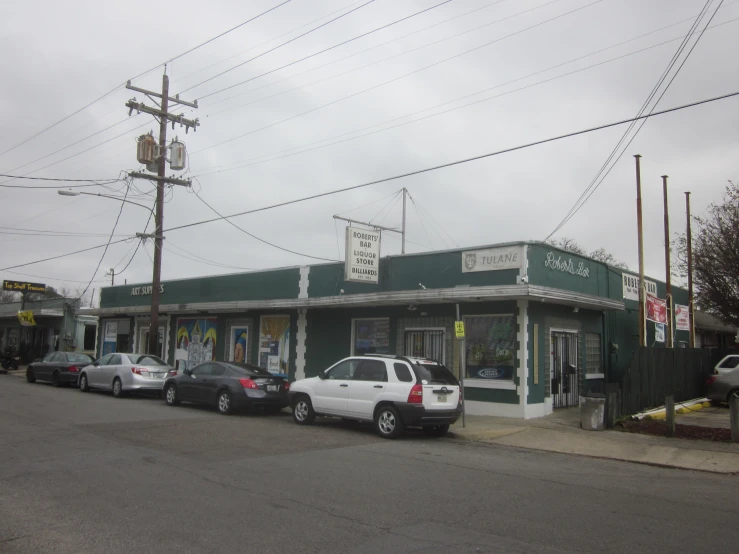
[426,343]
[564,371]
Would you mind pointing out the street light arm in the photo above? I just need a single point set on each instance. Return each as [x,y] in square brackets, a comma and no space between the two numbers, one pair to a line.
[73,193]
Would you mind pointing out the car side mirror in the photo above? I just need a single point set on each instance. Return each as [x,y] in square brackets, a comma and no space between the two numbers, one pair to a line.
[96,363]
[187,372]
[322,375]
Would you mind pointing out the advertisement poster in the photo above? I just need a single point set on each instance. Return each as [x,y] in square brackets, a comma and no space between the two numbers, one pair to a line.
[110,337]
[196,342]
[239,344]
[371,336]
[490,347]
[659,332]
[656,309]
[274,344]
[682,318]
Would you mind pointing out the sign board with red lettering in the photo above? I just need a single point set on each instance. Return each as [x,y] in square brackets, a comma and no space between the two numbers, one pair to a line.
[362,256]
[656,309]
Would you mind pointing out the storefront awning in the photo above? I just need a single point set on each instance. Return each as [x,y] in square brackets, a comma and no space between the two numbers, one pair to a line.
[422,296]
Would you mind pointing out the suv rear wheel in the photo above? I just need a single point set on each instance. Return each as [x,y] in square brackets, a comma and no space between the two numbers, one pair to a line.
[387,422]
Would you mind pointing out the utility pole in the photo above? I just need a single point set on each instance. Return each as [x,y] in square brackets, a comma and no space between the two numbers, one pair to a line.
[668,277]
[642,313]
[691,313]
[402,247]
[164,117]
[112,276]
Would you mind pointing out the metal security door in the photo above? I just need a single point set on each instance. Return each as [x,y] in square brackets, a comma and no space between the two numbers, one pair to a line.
[426,343]
[565,377]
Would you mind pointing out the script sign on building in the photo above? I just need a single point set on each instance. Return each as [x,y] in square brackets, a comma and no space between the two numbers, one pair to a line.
[362,256]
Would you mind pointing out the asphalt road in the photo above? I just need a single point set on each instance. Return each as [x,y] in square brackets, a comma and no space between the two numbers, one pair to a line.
[89,473]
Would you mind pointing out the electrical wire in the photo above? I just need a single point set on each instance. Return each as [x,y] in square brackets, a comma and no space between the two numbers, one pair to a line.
[389,211]
[593,187]
[394,79]
[242,165]
[436,223]
[462,161]
[423,212]
[420,219]
[385,207]
[275,48]
[200,259]
[403,175]
[369,204]
[258,238]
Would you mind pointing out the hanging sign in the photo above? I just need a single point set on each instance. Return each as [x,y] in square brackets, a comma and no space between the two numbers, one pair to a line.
[459,329]
[631,287]
[659,332]
[682,317]
[23,286]
[656,309]
[26,318]
[492,259]
[362,256]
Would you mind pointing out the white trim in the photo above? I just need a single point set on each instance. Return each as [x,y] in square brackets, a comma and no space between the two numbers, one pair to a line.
[501,384]
[541,409]
[523,350]
[443,342]
[594,376]
[499,409]
[304,281]
[354,329]
[300,348]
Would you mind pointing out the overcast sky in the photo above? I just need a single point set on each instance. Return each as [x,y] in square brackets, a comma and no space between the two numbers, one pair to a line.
[59,56]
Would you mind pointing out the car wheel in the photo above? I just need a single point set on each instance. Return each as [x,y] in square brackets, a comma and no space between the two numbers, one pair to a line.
[30,375]
[225,402]
[388,423]
[117,388]
[171,397]
[435,430]
[56,379]
[303,413]
[84,385]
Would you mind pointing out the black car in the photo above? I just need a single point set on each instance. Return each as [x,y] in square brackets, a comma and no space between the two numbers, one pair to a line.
[229,386]
[61,368]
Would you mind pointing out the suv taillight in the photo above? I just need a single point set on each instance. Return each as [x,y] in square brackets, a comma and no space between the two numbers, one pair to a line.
[248,384]
[286,385]
[416,395]
[710,380]
[73,369]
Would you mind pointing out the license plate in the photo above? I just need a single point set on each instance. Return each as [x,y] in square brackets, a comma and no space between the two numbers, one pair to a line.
[442,398]
[273,388]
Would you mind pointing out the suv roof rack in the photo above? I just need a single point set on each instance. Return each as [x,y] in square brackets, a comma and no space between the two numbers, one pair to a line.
[394,356]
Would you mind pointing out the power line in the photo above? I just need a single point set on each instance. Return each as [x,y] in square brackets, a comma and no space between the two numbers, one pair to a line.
[66,255]
[275,48]
[462,161]
[242,165]
[394,79]
[420,219]
[194,257]
[93,182]
[592,188]
[258,238]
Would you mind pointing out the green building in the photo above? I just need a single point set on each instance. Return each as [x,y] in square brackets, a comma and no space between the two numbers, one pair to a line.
[542,326]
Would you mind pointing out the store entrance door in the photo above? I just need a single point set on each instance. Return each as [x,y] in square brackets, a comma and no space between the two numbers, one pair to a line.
[565,378]
[426,343]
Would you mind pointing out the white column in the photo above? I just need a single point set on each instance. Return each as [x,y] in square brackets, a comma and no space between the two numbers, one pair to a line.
[300,348]
[523,354]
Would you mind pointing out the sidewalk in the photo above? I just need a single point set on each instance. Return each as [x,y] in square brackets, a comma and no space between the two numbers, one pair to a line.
[560,432]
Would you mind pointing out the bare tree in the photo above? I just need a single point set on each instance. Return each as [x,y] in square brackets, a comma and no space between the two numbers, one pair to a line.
[600,255]
[9,296]
[716,258]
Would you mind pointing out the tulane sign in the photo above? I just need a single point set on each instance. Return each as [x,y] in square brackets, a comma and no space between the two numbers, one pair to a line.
[492,259]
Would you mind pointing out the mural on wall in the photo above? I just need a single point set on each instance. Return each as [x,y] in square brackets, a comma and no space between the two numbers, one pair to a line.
[490,345]
[196,342]
[274,344]
[239,344]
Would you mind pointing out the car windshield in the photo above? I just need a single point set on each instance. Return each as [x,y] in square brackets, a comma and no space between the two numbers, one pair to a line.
[79,358]
[434,373]
[248,369]
[145,359]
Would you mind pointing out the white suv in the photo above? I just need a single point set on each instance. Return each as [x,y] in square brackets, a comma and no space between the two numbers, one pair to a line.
[394,392]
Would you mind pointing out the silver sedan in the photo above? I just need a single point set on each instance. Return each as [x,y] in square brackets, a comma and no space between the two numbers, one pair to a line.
[722,387]
[122,372]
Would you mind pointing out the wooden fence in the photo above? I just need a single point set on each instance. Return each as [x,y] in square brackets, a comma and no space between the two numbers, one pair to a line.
[655,372]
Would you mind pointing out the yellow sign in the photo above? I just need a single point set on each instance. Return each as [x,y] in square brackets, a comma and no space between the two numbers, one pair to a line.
[26,318]
[459,329]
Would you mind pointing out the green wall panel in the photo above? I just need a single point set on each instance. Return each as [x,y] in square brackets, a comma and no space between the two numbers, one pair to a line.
[491,395]
[597,282]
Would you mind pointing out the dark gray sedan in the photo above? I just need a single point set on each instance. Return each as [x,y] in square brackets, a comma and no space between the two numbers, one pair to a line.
[61,368]
[722,387]
[229,386]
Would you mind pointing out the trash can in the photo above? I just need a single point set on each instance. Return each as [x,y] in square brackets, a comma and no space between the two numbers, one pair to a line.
[592,411]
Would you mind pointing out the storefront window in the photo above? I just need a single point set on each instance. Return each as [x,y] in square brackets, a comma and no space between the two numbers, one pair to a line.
[371,336]
[274,344]
[490,346]
[592,350]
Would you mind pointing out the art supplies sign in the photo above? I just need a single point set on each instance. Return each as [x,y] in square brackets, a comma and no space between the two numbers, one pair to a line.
[362,256]
[492,259]
[682,318]
[656,309]
[631,287]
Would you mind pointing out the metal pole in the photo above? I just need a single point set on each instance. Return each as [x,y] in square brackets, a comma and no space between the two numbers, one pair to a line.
[642,313]
[112,276]
[402,248]
[668,281]
[462,369]
[690,273]
[156,279]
